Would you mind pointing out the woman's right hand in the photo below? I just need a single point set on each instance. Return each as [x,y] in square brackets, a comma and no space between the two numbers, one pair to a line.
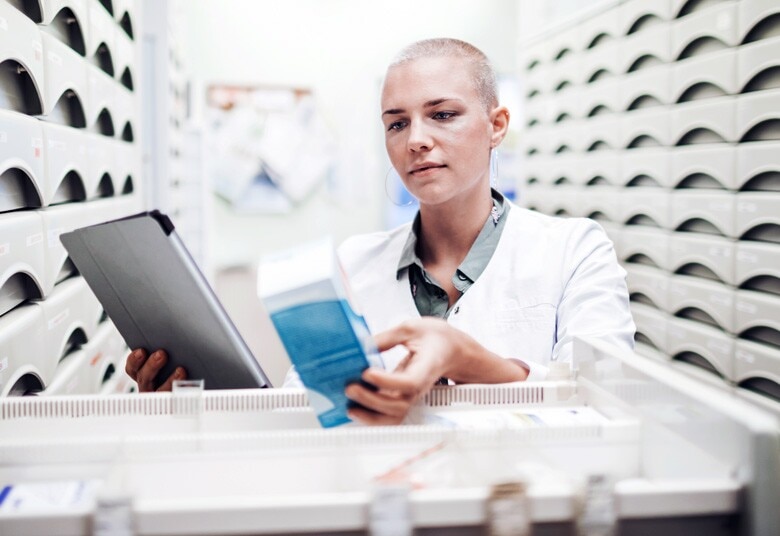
[143,368]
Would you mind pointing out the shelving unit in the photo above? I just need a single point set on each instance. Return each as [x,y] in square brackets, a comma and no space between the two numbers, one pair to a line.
[661,120]
[68,158]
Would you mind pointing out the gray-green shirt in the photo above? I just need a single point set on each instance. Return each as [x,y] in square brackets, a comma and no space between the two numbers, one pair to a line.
[429,296]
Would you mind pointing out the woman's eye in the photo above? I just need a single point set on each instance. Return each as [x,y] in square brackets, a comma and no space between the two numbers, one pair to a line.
[397,125]
[443,115]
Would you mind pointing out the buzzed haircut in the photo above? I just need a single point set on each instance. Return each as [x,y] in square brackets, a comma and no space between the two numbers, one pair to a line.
[482,71]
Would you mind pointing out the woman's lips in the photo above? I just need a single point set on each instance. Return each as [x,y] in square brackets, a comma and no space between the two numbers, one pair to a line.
[426,169]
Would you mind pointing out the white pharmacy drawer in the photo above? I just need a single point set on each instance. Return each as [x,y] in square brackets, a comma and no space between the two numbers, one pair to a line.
[758,266]
[601,93]
[102,104]
[105,354]
[102,29]
[561,168]
[652,324]
[704,166]
[653,41]
[596,31]
[125,53]
[102,154]
[562,45]
[126,165]
[654,82]
[21,148]
[645,245]
[57,220]
[759,161]
[541,109]
[708,211]
[113,208]
[754,12]
[565,103]
[648,351]
[22,350]
[754,109]
[653,123]
[711,344]
[533,170]
[689,252]
[603,128]
[70,376]
[540,198]
[21,258]
[755,360]
[714,115]
[562,137]
[600,200]
[126,116]
[713,298]
[650,282]
[65,78]
[756,58]
[71,315]
[566,71]
[637,204]
[533,53]
[537,78]
[651,162]
[718,69]
[597,166]
[567,200]
[20,40]
[718,21]
[600,62]
[633,11]
[66,156]
[756,310]
[758,215]
[52,8]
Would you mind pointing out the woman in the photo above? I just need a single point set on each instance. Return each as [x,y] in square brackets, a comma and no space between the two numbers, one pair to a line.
[476,289]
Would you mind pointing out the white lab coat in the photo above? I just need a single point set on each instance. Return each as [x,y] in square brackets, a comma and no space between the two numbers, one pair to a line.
[549,280]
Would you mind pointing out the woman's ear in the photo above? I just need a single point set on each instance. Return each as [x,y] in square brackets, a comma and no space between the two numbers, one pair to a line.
[499,122]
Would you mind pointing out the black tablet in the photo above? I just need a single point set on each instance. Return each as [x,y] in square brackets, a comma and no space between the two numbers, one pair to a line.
[152,290]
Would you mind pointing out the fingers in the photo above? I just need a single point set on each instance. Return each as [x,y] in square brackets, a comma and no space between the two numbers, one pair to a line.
[392,381]
[148,371]
[394,405]
[393,336]
[373,418]
[135,361]
[178,374]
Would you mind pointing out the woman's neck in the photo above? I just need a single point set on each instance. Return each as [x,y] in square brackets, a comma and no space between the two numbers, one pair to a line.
[448,231]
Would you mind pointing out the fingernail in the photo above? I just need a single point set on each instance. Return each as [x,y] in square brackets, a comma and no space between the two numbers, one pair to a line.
[157,356]
[179,372]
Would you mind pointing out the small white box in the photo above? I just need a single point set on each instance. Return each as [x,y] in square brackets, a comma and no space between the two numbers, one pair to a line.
[758,263]
[82,372]
[566,72]
[688,251]
[718,69]
[69,377]
[600,63]
[125,55]
[21,147]
[51,8]
[650,282]
[596,166]
[600,202]
[65,77]
[752,110]
[564,103]
[654,82]
[106,354]
[127,162]
[541,108]
[563,44]
[752,13]
[755,58]
[534,54]
[101,103]
[532,170]
[644,245]
[639,203]
[20,40]
[596,31]
[563,137]
[704,211]
[601,93]
[22,351]
[718,22]
[651,325]
[757,213]
[651,162]
[560,168]
[58,220]
[756,310]
[66,156]
[21,252]
[652,42]
[113,208]
[125,13]
[715,299]
[632,12]
[754,160]
[653,123]
[717,161]
[713,345]
[754,360]
[716,115]
[567,200]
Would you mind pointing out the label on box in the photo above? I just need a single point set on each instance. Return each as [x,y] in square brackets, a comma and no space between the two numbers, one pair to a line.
[45,497]
[33,239]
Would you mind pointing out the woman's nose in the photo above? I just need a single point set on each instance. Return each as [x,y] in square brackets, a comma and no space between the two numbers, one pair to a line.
[419,138]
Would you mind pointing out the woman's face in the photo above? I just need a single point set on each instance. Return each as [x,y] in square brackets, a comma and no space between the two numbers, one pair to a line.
[438,133]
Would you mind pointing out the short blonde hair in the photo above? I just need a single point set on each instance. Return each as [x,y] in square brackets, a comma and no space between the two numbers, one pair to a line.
[482,71]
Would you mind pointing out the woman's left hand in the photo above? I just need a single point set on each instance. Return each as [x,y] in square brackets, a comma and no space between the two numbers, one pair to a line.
[436,349]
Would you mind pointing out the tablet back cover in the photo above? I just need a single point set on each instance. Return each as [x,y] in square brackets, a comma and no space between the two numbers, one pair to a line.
[152,290]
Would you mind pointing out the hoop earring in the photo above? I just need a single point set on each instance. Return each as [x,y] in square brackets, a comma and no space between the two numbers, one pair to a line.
[387,191]
[494,168]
